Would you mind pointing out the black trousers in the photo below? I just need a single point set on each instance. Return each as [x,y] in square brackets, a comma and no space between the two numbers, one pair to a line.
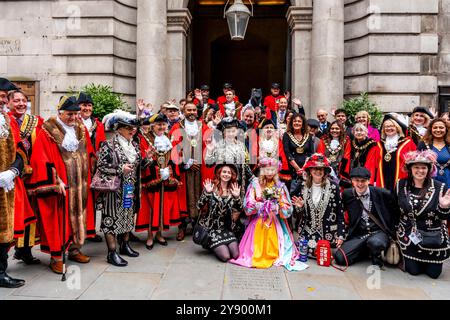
[413,267]
[4,247]
[358,248]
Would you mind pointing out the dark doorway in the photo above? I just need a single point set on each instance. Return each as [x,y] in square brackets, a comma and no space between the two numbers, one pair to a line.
[244,64]
[255,62]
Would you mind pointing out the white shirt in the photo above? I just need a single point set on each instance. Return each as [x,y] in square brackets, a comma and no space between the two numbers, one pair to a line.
[421,129]
[88,124]
[70,142]
[191,127]
[365,200]
[316,193]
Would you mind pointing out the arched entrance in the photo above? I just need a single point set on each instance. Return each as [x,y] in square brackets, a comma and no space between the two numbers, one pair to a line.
[255,62]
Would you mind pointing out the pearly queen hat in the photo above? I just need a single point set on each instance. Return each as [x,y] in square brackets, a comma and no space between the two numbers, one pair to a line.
[317,160]
[427,157]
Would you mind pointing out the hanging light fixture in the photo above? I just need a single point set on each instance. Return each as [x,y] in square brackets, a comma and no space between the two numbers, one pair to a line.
[237,17]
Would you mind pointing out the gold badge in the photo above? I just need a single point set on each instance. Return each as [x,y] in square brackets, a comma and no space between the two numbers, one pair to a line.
[387,157]
[193,143]
[300,150]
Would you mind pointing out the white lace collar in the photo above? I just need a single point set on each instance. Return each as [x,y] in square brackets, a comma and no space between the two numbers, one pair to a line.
[70,141]
[162,143]
[191,127]
[128,148]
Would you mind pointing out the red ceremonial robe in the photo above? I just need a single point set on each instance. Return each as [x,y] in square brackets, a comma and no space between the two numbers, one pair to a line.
[149,212]
[48,164]
[272,102]
[23,213]
[176,136]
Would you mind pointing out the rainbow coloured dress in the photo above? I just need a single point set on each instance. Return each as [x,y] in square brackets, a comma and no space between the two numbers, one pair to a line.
[267,240]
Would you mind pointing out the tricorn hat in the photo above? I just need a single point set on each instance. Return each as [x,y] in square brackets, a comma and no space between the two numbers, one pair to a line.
[84,97]
[68,103]
[6,85]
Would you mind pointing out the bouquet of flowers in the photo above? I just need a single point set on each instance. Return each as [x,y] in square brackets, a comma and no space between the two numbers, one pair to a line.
[271,193]
[269,207]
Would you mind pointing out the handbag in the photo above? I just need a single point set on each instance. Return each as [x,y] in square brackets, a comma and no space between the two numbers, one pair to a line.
[431,239]
[106,183]
[200,233]
[392,255]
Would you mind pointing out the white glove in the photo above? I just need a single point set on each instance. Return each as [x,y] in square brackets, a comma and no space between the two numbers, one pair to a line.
[189,164]
[164,173]
[7,180]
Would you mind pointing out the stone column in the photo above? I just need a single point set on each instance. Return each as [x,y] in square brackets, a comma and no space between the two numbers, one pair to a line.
[300,25]
[151,68]
[178,22]
[327,55]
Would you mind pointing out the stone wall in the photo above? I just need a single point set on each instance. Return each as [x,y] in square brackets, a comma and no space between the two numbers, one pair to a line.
[68,44]
[391,52]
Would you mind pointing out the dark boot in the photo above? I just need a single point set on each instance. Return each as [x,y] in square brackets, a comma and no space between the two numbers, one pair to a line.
[25,255]
[116,260]
[127,250]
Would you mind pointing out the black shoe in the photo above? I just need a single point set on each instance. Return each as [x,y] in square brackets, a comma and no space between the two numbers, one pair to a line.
[97,238]
[26,257]
[116,260]
[377,261]
[134,238]
[127,250]
[161,242]
[149,247]
[8,282]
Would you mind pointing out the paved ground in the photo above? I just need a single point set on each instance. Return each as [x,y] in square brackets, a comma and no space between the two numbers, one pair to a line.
[184,270]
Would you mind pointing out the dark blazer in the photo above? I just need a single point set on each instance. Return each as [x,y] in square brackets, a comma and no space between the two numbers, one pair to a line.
[384,202]
[321,133]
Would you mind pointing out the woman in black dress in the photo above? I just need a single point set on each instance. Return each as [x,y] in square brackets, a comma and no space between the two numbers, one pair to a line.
[424,205]
[298,145]
[224,205]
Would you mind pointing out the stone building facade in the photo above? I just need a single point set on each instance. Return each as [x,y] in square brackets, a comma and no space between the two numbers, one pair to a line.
[397,51]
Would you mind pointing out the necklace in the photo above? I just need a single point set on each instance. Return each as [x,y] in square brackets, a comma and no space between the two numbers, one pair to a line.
[300,144]
[333,154]
[362,148]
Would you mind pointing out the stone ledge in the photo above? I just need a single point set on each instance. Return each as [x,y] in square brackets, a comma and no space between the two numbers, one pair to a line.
[423,43]
[300,18]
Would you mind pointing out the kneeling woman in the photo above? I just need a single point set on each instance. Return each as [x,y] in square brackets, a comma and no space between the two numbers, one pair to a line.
[120,156]
[320,206]
[425,205]
[268,240]
[222,198]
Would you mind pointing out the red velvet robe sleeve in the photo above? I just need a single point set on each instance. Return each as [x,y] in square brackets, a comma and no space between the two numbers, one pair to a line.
[372,162]
[321,147]
[100,134]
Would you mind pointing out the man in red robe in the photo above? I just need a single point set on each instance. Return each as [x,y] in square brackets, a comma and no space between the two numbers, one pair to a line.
[223,99]
[186,137]
[60,181]
[273,100]
[11,166]
[96,131]
[29,127]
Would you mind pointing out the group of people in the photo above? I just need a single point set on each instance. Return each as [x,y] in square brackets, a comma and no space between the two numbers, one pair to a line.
[253,175]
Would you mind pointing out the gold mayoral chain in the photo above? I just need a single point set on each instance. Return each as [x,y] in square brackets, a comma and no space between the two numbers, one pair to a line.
[300,144]
[360,148]
[333,154]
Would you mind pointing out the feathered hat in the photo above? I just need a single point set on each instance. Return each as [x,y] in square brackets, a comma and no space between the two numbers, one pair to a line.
[427,157]
[119,118]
